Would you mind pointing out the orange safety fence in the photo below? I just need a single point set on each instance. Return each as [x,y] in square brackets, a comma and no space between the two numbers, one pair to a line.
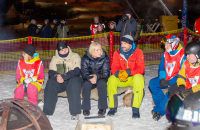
[10,50]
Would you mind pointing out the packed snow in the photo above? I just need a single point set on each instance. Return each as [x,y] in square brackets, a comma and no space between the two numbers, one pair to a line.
[61,120]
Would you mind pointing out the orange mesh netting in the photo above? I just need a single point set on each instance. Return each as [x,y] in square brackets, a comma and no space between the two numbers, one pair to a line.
[10,50]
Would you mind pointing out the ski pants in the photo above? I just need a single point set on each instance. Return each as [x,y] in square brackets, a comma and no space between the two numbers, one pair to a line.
[32,93]
[101,86]
[137,84]
[160,99]
[73,90]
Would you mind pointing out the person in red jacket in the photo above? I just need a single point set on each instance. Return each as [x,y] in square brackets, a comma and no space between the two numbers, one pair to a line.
[29,75]
[93,26]
[189,75]
[127,70]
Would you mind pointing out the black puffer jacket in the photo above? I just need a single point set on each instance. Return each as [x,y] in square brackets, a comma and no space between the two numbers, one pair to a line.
[99,66]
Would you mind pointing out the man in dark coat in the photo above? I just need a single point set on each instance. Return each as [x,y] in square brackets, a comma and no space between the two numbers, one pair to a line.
[127,25]
[32,28]
[46,30]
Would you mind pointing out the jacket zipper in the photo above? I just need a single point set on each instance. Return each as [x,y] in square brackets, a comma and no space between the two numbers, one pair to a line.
[64,66]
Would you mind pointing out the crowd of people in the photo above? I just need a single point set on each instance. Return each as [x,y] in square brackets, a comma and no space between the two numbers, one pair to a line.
[179,71]
[57,29]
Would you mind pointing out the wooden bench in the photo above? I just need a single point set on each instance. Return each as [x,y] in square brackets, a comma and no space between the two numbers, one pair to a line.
[127,98]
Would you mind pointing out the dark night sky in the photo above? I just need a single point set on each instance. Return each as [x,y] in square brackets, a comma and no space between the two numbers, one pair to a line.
[144,8]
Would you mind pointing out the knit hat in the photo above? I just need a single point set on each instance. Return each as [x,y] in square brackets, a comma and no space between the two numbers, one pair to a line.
[127,11]
[29,49]
[61,45]
[128,39]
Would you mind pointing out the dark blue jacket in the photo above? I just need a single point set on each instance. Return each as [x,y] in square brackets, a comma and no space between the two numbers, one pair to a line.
[128,27]
[46,31]
[32,30]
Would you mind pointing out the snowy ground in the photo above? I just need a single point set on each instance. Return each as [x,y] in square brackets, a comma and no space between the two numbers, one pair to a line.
[121,121]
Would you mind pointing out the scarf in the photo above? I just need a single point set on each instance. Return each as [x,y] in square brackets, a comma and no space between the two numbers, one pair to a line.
[129,52]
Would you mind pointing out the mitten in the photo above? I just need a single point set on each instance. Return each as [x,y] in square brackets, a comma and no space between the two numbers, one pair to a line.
[173,89]
[177,89]
[196,88]
[181,88]
[29,80]
[164,83]
[123,75]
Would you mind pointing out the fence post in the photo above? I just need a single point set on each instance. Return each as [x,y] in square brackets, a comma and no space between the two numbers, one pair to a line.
[30,39]
[111,50]
[185,31]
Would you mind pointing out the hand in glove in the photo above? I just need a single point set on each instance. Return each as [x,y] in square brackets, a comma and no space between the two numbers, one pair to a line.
[123,75]
[29,80]
[196,88]
[164,83]
[181,88]
[173,89]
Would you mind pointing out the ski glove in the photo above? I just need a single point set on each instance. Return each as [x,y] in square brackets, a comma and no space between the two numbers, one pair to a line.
[181,88]
[196,88]
[164,83]
[173,89]
[29,80]
[123,75]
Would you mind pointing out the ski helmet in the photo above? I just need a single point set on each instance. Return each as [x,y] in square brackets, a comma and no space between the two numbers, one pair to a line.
[193,48]
[184,113]
[173,40]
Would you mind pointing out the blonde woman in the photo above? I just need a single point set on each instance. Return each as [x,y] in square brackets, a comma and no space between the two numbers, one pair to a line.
[95,70]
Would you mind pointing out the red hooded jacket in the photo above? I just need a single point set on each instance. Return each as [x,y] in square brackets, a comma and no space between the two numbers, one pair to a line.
[135,62]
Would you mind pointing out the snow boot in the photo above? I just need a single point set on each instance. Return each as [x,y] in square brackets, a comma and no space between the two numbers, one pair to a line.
[156,116]
[86,112]
[101,112]
[153,112]
[112,111]
[135,113]
[74,117]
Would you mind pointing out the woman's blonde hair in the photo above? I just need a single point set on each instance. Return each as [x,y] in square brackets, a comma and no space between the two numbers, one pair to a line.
[93,46]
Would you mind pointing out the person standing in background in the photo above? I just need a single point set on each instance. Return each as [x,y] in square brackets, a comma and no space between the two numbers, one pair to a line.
[32,28]
[46,30]
[127,25]
[54,28]
[62,29]
[93,26]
